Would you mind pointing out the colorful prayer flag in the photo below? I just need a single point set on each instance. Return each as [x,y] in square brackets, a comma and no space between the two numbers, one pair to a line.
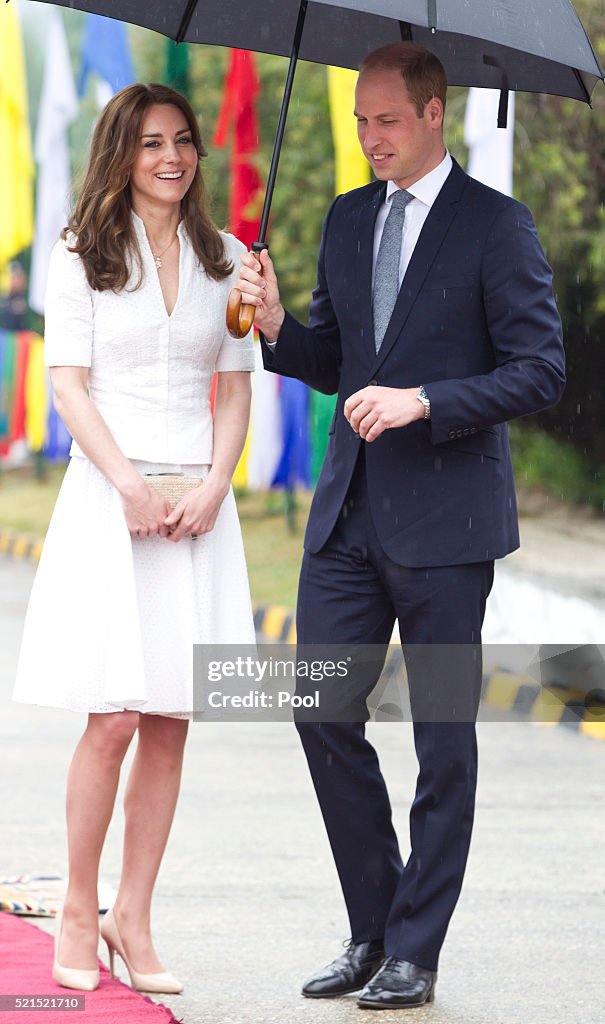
[106,52]
[16,166]
[490,149]
[176,74]
[37,393]
[238,116]
[351,170]
[58,108]
[238,120]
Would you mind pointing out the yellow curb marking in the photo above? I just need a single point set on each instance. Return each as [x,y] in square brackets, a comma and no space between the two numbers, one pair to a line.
[502,689]
[21,545]
[273,620]
[596,730]
[36,550]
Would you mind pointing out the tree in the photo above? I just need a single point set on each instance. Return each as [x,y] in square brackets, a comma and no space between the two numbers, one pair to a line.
[560,174]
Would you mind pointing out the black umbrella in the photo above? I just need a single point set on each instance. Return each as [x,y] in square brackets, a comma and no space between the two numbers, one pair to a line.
[523,45]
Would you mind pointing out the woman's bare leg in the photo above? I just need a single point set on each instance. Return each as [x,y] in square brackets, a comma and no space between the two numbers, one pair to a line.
[92,783]
[149,804]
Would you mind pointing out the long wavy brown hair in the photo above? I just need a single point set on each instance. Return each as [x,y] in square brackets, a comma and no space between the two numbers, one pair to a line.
[101,222]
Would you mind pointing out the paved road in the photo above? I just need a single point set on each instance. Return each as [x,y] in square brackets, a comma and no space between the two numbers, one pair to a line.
[247,902]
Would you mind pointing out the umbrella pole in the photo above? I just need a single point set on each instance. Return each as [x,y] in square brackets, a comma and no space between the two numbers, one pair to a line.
[281,125]
[241,317]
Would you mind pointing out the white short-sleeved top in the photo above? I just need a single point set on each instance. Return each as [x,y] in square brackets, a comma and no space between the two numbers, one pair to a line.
[150,373]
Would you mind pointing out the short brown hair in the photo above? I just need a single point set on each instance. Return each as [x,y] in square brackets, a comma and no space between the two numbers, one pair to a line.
[422,72]
[101,220]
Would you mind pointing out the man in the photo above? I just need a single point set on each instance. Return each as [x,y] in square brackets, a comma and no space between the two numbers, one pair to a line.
[434,319]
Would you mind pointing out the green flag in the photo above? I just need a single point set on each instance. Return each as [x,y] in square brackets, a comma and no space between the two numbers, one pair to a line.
[322,411]
[176,73]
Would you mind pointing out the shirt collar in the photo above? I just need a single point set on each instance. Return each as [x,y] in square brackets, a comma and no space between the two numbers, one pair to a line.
[426,189]
[140,227]
[138,223]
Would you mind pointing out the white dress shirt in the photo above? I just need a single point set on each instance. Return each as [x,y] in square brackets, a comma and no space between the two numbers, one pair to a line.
[425,192]
[150,373]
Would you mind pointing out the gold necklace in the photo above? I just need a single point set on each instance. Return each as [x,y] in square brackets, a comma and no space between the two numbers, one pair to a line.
[158,256]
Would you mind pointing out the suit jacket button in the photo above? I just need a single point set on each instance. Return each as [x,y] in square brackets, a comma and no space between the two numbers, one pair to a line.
[451,434]
[372,382]
[466,431]
[473,430]
[458,433]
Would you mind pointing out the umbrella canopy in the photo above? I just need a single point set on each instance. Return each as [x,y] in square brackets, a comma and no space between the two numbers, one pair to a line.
[521,45]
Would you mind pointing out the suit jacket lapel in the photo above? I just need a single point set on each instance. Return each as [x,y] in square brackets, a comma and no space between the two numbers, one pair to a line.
[433,232]
[365,257]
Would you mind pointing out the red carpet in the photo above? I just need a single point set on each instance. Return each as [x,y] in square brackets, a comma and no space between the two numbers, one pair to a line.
[26,955]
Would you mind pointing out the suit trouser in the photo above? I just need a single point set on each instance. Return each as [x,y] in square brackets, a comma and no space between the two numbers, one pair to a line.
[350,593]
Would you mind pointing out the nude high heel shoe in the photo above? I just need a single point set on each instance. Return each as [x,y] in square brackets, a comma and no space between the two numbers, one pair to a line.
[160,982]
[72,977]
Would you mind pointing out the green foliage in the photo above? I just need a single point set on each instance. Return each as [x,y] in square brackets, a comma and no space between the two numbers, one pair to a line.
[541,461]
[305,181]
[305,184]
[559,173]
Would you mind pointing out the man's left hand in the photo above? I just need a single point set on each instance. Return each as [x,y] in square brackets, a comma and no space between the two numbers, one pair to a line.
[374,410]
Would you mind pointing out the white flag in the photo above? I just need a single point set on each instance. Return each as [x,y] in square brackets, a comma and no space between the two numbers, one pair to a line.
[490,157]
[266,442]
[58,108]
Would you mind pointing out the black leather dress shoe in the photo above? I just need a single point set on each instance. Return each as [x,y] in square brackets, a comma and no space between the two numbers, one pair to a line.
[398,984]
[348,973]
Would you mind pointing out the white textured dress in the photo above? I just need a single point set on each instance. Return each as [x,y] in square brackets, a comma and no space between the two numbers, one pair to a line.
[112,618]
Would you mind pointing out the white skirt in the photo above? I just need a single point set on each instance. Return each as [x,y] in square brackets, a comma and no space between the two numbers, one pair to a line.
[112,618]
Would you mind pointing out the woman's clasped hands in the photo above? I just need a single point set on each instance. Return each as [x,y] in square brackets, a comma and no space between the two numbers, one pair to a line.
[145,512]
[148,514]
[196,513]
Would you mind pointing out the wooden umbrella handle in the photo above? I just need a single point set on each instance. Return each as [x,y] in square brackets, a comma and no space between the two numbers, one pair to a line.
[240,315]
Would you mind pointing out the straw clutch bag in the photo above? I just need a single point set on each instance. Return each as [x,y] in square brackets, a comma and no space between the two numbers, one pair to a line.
[171,486]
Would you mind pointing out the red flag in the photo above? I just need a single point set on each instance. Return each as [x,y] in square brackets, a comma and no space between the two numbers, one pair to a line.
[17,425]
[238,114]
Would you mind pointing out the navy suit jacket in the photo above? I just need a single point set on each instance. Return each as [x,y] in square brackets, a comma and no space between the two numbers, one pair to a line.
[476,324]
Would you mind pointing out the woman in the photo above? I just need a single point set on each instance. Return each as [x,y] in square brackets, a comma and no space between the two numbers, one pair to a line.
[135,329]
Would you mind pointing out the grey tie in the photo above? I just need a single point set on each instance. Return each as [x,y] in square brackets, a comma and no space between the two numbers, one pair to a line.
[386,274]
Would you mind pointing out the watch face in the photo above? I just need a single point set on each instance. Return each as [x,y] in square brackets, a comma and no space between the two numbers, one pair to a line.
[424,398]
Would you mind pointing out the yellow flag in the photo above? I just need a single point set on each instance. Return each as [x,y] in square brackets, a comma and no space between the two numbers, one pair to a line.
[16,165]
[240,476]
[351,170]
[36,395]
[351,167]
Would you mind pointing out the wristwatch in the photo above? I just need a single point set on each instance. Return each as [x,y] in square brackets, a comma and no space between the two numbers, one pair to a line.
[424,398]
